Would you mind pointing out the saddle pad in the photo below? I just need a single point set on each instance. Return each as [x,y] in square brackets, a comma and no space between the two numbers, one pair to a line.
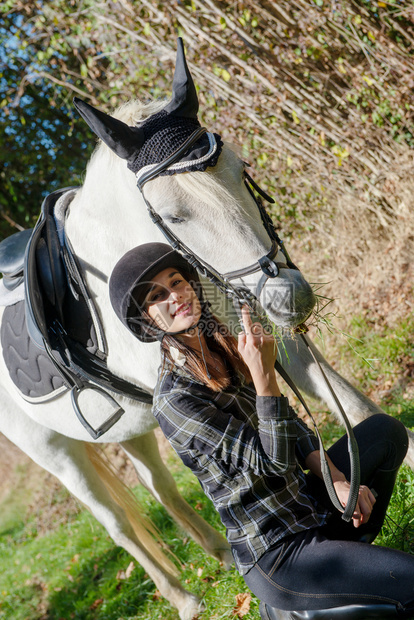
[29,367]
[8,297]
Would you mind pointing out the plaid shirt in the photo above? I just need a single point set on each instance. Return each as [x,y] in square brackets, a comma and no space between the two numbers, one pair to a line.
[245,450]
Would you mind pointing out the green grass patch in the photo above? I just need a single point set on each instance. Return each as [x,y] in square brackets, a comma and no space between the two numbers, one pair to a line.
[13,506]
[72,571]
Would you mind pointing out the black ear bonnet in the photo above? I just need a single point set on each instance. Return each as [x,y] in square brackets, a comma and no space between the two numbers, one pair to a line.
[163,133]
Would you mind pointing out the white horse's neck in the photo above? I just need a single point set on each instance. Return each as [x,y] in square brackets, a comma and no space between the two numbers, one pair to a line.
[107,218]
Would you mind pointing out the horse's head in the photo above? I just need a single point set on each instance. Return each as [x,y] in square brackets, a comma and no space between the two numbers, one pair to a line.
[209,208]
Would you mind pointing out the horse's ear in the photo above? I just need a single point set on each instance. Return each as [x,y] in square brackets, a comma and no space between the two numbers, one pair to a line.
[184,100]
[125,141]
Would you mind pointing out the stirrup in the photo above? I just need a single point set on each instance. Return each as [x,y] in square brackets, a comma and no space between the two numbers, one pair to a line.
[347,612]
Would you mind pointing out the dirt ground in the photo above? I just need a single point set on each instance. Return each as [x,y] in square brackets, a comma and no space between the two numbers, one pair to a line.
[11,458]
[43,486]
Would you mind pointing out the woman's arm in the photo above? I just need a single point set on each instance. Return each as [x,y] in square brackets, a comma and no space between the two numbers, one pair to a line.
[193,424]
[366,499]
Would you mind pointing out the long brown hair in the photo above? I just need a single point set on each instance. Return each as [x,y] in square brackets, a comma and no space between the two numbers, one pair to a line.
[219,340]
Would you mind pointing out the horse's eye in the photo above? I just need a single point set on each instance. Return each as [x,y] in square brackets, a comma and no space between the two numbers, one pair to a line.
[174,219]
[174,214]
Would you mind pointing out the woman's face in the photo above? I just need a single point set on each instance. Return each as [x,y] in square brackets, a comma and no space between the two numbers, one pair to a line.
[171,301]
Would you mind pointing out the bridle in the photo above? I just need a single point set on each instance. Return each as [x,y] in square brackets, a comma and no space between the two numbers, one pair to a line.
[267,264]
[241,295]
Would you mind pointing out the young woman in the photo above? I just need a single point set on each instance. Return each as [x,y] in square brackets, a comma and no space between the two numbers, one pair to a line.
[219,404]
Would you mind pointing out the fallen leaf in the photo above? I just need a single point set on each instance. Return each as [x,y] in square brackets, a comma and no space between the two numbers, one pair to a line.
[129,570]
[242,604]
[157,595]
[125,574]
[96,603]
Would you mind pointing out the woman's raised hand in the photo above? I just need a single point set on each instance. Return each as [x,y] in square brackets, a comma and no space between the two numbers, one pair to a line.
[258,349]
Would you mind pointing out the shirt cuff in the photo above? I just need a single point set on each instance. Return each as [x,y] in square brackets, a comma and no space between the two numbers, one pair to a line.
[273,408]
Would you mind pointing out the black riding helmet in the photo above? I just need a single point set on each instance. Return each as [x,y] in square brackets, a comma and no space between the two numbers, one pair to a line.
[130,280]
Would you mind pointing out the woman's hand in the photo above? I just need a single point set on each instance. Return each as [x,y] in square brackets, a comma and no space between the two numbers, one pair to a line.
[365,503]
[259,351]
[366,499]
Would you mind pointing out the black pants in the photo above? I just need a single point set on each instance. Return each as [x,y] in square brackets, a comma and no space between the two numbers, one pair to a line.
[327,567]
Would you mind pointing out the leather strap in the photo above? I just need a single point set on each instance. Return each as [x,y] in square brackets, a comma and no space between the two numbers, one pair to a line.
[352,444]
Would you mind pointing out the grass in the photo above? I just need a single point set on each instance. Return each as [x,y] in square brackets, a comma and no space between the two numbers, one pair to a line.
[73,571]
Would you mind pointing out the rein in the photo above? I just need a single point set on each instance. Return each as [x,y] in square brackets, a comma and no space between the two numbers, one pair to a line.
[242,295]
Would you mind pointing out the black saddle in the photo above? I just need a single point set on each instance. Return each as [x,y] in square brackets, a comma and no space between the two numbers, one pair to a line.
[58,312]
[46,283]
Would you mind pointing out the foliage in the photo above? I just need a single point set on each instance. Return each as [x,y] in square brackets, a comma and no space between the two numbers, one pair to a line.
[318,93]
[43,146]
[398,529]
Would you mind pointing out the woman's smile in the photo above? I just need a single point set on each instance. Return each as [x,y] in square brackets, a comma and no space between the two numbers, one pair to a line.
[183,309]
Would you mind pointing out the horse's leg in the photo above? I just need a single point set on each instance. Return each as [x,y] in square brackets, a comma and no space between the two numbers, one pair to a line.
[68,460]
[154,475]
[307,376]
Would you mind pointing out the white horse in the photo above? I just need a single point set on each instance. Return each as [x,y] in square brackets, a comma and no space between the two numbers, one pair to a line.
[213,213]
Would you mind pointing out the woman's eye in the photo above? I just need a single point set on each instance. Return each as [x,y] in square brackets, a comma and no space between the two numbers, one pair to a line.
[155,297]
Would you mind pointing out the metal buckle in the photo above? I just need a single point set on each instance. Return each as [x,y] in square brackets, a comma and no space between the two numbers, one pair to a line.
[269,267]
[95,433]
